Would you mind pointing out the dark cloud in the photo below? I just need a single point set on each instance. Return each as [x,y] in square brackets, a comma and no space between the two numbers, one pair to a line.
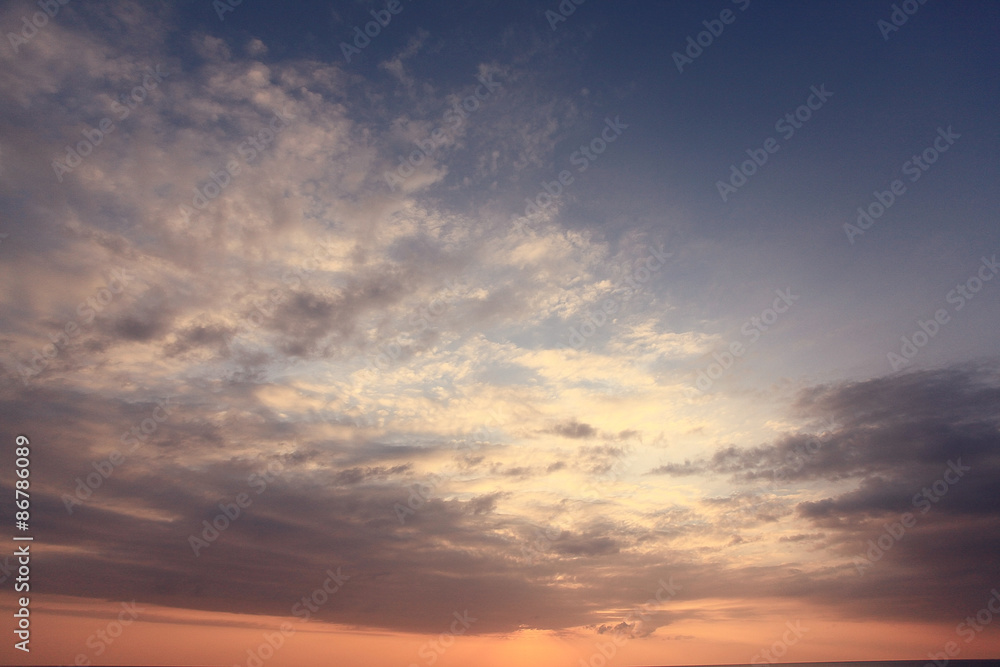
[574,429]
[603,459]
[801,537]
[213,337]
[357,475]
[484,504]
[149,318]
[351,469]
[585,545]
[676,470]
[331,503]
[622,628]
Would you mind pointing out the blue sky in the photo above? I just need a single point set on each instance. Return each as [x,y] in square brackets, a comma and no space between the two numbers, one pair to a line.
[683,361]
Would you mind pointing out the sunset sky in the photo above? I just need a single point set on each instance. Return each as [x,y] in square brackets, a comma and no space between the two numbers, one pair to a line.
[493,332]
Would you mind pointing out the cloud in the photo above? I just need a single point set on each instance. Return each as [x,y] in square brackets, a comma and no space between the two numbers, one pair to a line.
[574,430]
[675,470]
[801,537]
[262,343]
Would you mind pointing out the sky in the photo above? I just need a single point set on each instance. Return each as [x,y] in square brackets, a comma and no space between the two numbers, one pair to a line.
[400,333]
